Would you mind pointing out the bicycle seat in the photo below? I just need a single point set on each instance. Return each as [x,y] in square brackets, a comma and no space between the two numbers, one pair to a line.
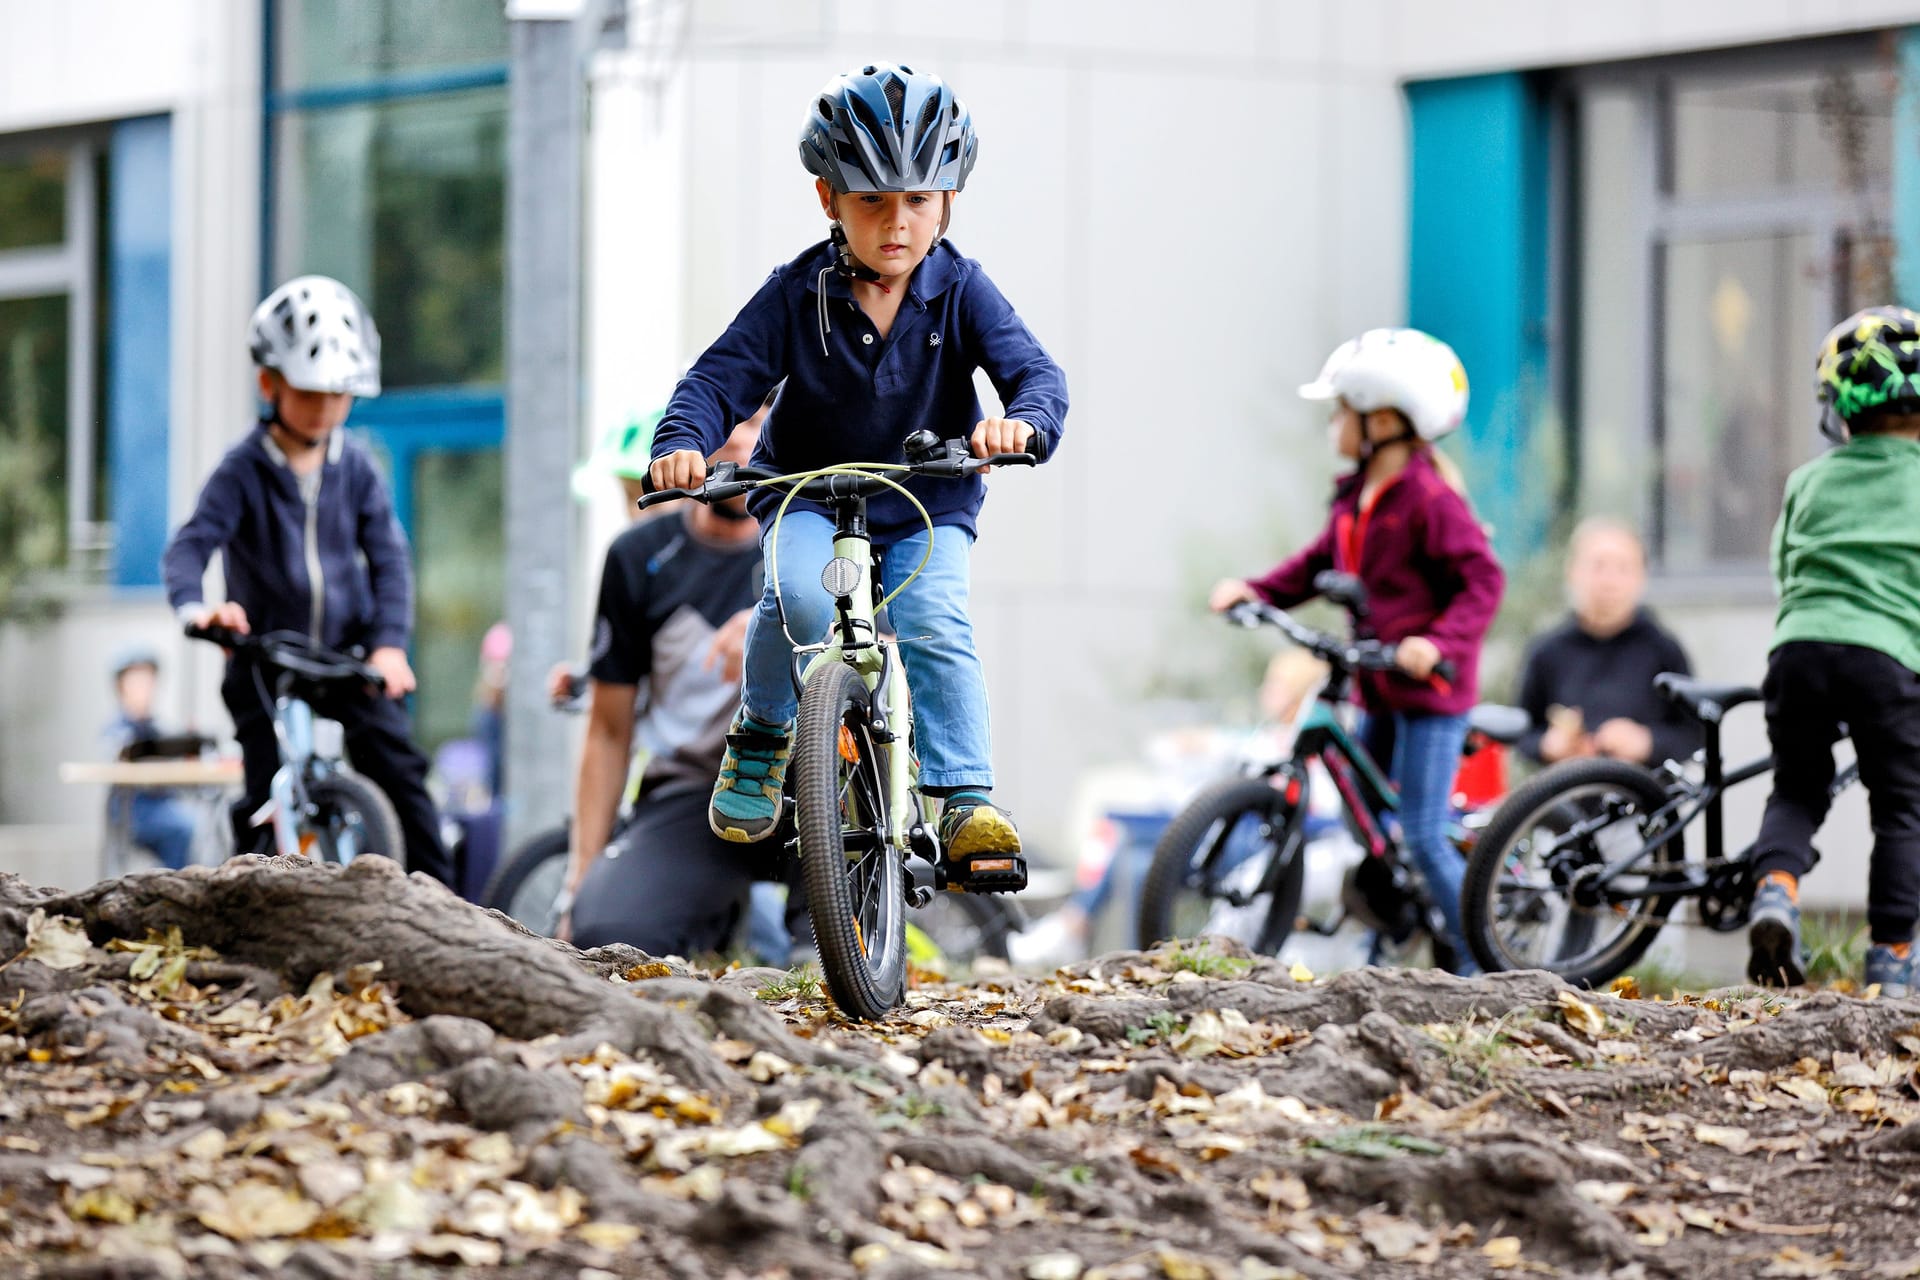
[1499,724]
[1708,702]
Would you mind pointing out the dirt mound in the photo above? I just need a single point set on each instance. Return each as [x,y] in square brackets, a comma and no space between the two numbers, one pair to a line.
[283,1069]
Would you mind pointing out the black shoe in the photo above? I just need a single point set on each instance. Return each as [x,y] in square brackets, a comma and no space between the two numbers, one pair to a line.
[1774,957]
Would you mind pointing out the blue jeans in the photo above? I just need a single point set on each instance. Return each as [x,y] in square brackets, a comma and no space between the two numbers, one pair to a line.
[164,824]
[1425,755]
[943,673]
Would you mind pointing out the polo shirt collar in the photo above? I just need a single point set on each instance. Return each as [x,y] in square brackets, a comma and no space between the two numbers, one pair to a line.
[937,273]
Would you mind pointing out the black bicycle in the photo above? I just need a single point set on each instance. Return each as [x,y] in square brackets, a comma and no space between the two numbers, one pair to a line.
[1233,861]
[1580,868]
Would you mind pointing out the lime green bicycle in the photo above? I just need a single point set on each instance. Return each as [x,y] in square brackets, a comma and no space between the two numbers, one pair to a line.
[854,789]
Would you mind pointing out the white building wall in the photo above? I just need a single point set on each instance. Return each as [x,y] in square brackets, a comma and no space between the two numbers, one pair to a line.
[1189,205]
[85,62]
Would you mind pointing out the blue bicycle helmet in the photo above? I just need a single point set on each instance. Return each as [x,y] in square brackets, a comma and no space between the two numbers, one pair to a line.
[889,128]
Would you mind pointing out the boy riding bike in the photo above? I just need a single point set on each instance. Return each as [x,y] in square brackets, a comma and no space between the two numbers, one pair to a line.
[1846,648]
[1401,525]
[310,545]
[877,332]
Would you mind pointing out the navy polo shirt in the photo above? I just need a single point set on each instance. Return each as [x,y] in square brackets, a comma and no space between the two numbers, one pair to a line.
[853,396]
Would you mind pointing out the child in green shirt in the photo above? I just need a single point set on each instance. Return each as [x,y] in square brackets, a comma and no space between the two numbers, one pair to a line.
[1846,648]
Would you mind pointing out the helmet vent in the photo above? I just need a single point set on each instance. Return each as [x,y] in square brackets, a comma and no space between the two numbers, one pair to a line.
[825,107]
[864,114]
[896,94]
[929,116]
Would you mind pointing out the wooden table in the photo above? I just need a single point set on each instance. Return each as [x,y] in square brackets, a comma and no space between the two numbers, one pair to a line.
[208,778]
[149,775]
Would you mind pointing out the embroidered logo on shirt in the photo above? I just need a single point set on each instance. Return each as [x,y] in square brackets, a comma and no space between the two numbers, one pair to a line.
[933,339]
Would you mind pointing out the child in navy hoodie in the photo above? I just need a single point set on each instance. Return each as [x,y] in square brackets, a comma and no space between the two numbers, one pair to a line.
[310,544]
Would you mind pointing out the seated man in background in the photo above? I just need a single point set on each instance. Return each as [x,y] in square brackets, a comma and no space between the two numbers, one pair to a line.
[1588,683]
[158,820]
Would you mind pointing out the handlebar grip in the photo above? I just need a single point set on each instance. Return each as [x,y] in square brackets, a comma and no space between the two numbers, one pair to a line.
[655,497]
[226,637]
[1445,672]
[1036,447]
[646,481]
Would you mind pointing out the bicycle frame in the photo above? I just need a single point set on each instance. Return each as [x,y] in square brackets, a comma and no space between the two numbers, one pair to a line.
[305,753]
[855,640]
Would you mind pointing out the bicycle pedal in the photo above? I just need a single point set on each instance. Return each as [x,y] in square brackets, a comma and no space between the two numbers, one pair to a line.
[988,873]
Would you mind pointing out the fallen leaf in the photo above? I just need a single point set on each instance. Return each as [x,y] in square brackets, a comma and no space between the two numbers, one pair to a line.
[101,1204]
[252,1210]
[1582,1017]
[1283,1189]
[1605,1194]
[1178,1265]
[611,1236]
[1733,1138]
[58,942]
[1503,1252]
[1300,972]
[1054,1266]
[1795,1262]
[1626,986]
[1394,1239]
[462,1249]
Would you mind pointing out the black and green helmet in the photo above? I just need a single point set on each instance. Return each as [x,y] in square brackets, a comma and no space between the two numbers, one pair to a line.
[1870,360]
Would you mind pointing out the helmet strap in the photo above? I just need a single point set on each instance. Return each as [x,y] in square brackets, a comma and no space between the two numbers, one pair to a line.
[946,216]
[1369,446]
[1833,426]
[845,264]
[271,419]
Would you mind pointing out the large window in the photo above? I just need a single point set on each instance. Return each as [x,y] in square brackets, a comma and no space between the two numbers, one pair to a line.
[387,140]
[52,492]
[1727,211]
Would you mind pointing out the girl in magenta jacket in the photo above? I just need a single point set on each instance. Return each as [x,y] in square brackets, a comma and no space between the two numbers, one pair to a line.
[1401,524]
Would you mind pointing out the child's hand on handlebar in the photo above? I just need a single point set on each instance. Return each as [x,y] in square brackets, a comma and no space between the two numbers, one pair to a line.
[228,614]
[1417,656]
[999,435]
[681,469]
[1229,592]
[393,667]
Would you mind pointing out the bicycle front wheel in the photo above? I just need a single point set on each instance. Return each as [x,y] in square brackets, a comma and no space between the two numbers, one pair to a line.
[1232,863]
[351,816]
[1528,901]
[856,893]
[528,884]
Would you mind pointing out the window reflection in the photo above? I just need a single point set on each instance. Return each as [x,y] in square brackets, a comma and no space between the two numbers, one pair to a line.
[405,202]
[332,42]
[33,198]
[1816,131]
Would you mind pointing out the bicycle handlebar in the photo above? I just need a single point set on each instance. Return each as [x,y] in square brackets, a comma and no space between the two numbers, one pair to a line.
[293,652]
[729,480]
[1348,655]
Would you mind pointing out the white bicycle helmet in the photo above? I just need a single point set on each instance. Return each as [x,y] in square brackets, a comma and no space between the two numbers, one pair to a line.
[318,335]
[1402,369]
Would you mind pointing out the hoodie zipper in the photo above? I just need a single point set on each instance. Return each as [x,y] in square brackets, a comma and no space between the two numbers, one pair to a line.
[316,579]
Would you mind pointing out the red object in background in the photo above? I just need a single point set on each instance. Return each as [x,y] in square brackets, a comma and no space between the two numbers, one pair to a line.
[1482,779]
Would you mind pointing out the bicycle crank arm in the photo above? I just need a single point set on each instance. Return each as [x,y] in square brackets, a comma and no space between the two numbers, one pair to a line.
[1325,929]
